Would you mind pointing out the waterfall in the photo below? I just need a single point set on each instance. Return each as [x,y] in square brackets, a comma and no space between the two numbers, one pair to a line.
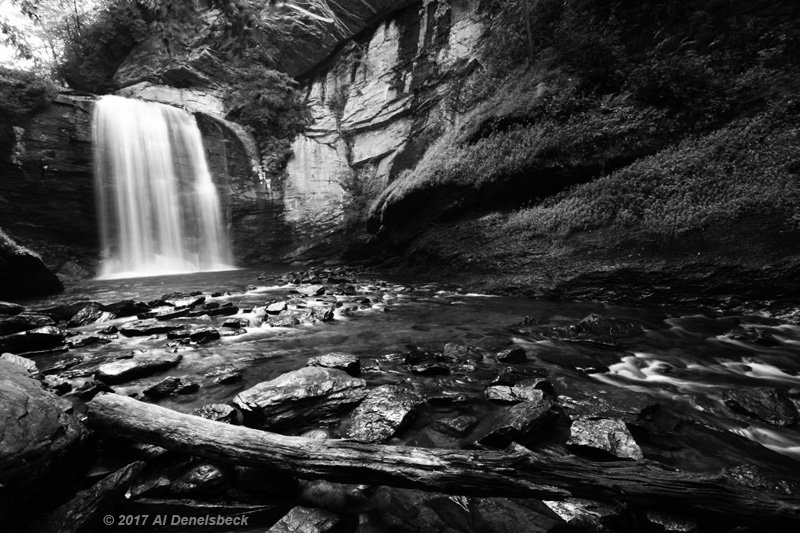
[159,209]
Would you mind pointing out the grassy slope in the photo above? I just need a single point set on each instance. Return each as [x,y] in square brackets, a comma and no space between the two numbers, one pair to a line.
[679,122]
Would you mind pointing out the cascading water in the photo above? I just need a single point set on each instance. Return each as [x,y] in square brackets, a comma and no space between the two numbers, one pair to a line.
[159,209]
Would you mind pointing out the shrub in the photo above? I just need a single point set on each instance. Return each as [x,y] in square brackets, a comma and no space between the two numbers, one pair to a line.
[22,93]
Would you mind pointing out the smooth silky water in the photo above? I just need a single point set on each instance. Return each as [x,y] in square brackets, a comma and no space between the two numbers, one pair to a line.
[684,358]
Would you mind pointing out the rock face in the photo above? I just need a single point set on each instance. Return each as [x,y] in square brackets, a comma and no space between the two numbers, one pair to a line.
[23,272]
[47,188]
[371,105]
[297,398]
[39,441]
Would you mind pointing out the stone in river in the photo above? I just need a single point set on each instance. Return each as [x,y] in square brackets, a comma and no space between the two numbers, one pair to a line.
[275,308]
[763,403]
[603,326]
[512,355]
[518,422]
[136,367]
[198,335]
[34,340]
[343,361]
[89,389]
[90,314]
[300,397]
[524,391]
[173,313]
[201,480]
[144,328]
[24,322]
[607,435]
[125,308]
[285,321]
[235,323]
[431,369]
[218,412]
[169,386]
[385,410]
[509,375]
[41,443]
[311,290]
[461,352]
[458,426]
[306,520]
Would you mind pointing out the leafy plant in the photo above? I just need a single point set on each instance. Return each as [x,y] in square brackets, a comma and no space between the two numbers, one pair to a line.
[22,93]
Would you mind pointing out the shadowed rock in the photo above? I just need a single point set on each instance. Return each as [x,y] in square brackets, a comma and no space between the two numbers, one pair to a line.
[763,403]
[169,386]
[24,322]
[143,328]
[518,422]
[306,520]
[34,340]
[607,435]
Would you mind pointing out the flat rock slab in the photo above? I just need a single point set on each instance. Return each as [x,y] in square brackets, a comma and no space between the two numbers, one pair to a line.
[342,361]
[171,385]
[143,328]
[385,410]
[532,390]
[198,335]
[24,322]
[136,367]
[607,435]
[767,404]
[39,437]
[35,340]
[297,398]
[518,422]
[311,290]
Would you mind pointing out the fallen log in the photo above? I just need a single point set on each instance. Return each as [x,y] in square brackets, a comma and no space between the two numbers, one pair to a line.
[515,472]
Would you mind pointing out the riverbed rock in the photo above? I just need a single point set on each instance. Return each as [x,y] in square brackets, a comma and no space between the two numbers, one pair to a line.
[22,362]
[343,361]
[604,326]
[8,309]
[140,365]
[276,308]
[518,422]
[40,445]
[145,328]
[671,522]
[90,314]
[763,403]
[300,397]
[24,322]
[169,386]
[125,308]
[430,369]
[512,355]
[587,515]
[35,340]
[306,520]
[218,412]
[311,290]
[753,335]
[458,426]
[461,353]
[199,335]
[607,435]
[201,480]
[283,321]
[523,391]
[385,411]
[89,389]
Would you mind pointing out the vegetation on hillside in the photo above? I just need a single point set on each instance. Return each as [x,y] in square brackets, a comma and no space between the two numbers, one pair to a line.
[674,114]
[23,93]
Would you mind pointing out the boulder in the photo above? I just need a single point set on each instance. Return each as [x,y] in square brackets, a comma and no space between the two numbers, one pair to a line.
[124,308]
[518,422]
[607,435]
[39,339]
[300,397]
[89,389]
[512,355]
[283,321]
[90,314]
[767,404]
[201,480]
[276,308]
[23,272]
[342,361]
[311,290]
[603,326]
[458,427]
[41,441]
[385,410]
[24,322]
[198,335]
[169,386]
[137,367]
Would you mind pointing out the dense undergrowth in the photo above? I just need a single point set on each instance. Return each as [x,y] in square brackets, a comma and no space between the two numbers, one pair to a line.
[682,111]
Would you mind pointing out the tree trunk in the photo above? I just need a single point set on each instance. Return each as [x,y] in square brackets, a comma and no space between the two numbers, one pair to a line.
[516,472]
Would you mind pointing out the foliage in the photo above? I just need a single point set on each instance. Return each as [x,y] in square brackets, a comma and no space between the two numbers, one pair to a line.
[93,54]
[22,93]
[269,104]
[746,168]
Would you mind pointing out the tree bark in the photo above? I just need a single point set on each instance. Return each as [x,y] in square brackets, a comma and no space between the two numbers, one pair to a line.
[515,472]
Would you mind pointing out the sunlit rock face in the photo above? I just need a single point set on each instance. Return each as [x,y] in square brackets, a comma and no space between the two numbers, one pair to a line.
[376,106]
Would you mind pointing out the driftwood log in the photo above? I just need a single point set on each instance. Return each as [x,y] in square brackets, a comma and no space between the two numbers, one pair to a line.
[514,472]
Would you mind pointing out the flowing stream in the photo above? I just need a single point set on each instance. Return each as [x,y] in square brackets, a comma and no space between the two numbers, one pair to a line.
[159,208]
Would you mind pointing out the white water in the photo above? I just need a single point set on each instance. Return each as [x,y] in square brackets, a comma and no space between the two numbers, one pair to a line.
[159,209]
